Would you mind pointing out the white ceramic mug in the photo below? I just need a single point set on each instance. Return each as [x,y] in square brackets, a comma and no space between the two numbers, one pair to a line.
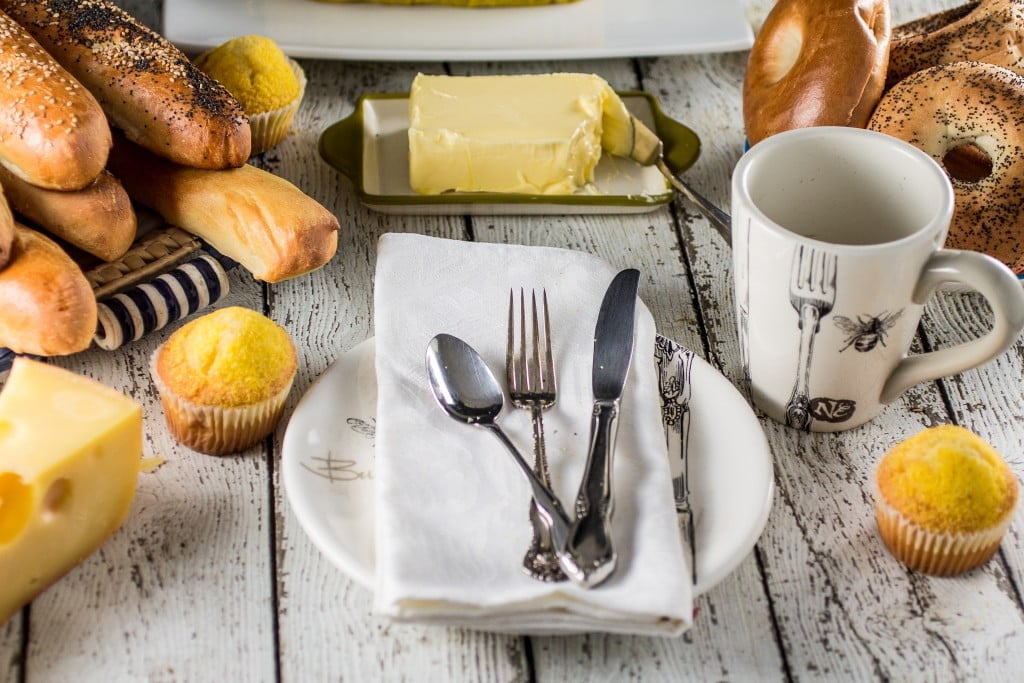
[837,244]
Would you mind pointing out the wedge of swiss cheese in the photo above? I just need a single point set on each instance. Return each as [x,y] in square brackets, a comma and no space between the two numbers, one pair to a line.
[70,449]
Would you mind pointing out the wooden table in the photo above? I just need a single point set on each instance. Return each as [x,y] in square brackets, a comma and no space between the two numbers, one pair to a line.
[212,578]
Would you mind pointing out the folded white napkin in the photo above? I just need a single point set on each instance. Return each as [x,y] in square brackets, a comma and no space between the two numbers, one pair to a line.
[452,507]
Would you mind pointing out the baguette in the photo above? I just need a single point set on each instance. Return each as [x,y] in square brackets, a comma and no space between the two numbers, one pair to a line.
[6,231]
[47,307]
[254,217]
[148,87]
[53,132]
[98,219]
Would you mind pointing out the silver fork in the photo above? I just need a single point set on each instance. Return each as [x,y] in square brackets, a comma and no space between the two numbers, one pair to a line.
[530,370]
[812,292]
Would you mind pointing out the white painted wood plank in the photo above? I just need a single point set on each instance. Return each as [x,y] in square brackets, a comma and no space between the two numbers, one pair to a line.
[10,649]
[183,583]
[844,607]
[989,401]
[181,591]
[649,242]
[184,590]
[327,629]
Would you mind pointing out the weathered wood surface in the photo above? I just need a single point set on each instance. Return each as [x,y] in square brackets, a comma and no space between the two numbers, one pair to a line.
[213,579]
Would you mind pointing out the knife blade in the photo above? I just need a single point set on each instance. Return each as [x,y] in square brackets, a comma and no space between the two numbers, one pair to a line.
[590,541]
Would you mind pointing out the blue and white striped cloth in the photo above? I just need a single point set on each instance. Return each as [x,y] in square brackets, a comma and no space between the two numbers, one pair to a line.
[127,316]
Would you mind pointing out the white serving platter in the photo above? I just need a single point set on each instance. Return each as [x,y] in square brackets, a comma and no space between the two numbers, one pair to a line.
[584,29]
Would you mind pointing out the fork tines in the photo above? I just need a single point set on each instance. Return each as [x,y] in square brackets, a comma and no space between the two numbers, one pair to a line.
[530,371]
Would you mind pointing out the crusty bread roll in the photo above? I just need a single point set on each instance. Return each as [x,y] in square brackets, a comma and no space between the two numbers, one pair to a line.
[148,88]
[6,231]
[52,131]
[254,217]
[47,307]
[98,219]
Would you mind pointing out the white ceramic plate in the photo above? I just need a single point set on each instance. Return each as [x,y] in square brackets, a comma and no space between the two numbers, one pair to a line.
[585,29]
[328,458]
[371,147]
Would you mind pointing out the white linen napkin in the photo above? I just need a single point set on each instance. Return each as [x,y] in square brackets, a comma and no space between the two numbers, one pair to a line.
[452,507]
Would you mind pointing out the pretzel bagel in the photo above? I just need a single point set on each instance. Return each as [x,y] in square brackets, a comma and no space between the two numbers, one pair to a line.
[989,31]
[976,107]
[816,63]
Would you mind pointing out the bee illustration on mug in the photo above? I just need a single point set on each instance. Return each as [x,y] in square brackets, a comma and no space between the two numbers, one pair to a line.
[868,331]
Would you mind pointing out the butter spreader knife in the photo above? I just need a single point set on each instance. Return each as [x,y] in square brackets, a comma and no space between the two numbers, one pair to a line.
[590,540]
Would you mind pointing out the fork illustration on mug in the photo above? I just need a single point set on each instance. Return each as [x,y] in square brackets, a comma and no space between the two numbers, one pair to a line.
[812,293]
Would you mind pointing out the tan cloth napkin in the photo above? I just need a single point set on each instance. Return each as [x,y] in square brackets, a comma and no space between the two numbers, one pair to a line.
[452,507]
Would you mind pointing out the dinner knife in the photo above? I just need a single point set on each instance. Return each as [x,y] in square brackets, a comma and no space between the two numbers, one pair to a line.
[590,541]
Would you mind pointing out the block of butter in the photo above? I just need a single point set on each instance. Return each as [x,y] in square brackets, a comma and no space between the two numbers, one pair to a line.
[70,451]
[536,134]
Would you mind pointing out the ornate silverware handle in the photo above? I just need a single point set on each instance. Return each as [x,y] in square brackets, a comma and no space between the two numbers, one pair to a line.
[548,505]
[590,539]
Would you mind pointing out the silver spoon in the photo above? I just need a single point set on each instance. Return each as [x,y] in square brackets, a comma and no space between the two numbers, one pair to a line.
[648,150]
[467,390]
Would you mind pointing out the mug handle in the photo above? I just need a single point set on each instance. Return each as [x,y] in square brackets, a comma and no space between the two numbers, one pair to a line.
[1005,295]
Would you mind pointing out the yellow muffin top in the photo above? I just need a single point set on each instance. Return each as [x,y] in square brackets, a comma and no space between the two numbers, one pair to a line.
[253,69]
[231,357]
[947,479]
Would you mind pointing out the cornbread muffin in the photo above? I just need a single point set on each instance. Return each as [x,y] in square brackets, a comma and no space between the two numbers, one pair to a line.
[267,84]
[223,379]
[944,499]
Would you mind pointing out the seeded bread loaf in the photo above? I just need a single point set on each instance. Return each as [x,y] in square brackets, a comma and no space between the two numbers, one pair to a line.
[52,131]
[147,87]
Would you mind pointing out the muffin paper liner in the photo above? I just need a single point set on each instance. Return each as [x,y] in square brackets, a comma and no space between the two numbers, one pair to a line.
[936,553]
[218,430]
[270,128]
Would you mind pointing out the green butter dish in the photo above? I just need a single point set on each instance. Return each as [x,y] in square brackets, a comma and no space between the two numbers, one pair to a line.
[371,148]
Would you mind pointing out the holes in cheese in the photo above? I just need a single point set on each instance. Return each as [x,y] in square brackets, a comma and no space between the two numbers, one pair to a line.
[15,506]
[56,498]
